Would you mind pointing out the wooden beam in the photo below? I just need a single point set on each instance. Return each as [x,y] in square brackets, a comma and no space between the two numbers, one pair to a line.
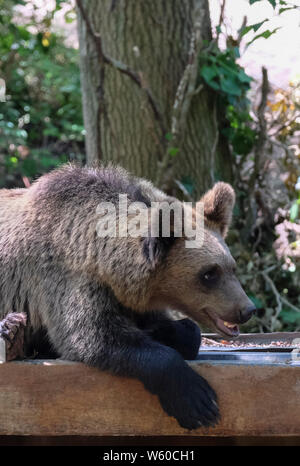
[59,398]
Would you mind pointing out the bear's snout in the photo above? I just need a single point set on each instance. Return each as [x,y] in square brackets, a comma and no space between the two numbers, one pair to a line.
[247,313]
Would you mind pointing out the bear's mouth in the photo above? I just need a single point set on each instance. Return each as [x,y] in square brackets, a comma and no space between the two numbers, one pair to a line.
[224,327]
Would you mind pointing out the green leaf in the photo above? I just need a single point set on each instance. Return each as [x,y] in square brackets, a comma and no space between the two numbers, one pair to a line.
[13,160]
[282,10]
[188,184]
[243,140]
[254,1]
[208,73]
[214,85]
[29,167]
[229,86]
[266,34]
[236,52]
[294,211]
[245,78]
[70,16]
[273,3]
[253,27]
[23,32]
[269,33]
[173,151]
[290,316]
[258,25]
[257,302]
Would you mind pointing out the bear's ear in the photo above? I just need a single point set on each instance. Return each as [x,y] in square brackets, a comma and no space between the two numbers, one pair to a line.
[218,204]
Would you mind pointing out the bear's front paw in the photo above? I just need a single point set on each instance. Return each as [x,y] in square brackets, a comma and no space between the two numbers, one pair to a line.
[182,335]
[191,401]
[12,331]
[188,338]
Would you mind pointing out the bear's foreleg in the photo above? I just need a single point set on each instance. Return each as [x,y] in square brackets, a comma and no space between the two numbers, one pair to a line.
[182,392]
[94,330]
[183,335]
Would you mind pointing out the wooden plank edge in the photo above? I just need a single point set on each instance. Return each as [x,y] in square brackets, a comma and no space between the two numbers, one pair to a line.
[59,398]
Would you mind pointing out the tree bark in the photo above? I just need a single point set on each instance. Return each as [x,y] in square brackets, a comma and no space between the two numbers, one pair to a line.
[133,57]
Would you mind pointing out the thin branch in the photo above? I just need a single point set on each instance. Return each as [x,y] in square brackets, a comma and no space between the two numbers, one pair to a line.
[275,292]
[215,144]
[258,239]
[259,150]
[221,19]
[286,125]
[198,89]
[95,36]
[100,88]
[183,189]
[240,33]
[282,145]
[120,66]
[184,94]
[285,301]
[279,299]
[262,130]
[262,122]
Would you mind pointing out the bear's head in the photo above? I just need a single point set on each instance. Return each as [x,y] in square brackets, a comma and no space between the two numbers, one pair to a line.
[201,282]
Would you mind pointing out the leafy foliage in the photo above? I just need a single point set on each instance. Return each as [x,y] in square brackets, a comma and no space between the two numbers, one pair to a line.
[267,268]
[285,111]
[280,6]
[223,74]
[41,120]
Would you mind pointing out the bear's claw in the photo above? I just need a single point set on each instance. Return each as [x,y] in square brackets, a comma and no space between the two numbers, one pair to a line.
[196,405]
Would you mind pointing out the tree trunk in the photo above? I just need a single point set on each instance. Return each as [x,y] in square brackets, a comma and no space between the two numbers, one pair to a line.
[134,55]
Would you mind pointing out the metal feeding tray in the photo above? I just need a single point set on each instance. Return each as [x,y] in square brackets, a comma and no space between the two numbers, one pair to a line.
[256,348]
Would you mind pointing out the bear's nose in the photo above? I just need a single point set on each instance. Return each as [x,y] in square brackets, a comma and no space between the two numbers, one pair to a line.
[247,313]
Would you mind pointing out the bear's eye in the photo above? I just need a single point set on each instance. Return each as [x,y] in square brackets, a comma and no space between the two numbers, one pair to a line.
[210,276]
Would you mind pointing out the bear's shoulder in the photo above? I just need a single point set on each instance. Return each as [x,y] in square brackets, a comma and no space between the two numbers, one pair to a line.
[71,181]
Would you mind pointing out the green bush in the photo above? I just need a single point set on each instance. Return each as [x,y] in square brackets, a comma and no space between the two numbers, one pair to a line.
[41,120]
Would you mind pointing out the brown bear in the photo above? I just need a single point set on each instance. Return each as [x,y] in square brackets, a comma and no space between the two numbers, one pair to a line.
[103,300]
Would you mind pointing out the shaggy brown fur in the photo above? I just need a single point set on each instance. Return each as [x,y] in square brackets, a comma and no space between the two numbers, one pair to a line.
[102,301]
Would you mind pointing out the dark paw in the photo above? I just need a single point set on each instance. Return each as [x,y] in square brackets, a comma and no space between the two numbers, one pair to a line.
[182,335]
[188,338]
[12,331]
[191,401]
